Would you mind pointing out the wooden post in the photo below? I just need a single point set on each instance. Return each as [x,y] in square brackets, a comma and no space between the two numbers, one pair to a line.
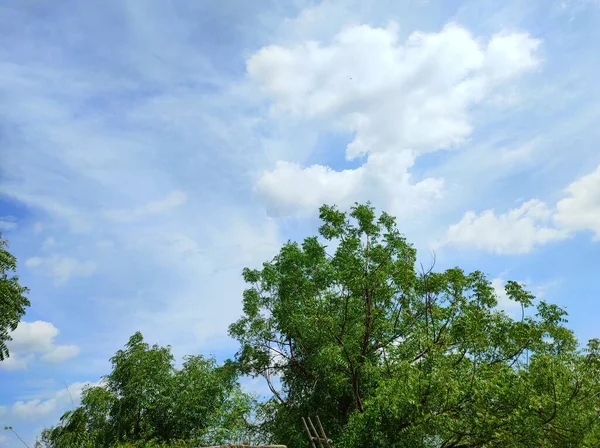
[310,438]
[315,432]
[327,441]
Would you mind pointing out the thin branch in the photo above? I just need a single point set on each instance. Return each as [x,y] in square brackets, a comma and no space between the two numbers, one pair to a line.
[271,387]
[70,396]
[9,428]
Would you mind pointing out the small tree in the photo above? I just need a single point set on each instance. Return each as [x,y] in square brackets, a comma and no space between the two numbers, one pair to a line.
[12,298]
[146,400]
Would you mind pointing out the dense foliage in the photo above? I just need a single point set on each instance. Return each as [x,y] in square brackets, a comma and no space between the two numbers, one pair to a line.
[345,326]
[389,356]
[145,401]
[12,298]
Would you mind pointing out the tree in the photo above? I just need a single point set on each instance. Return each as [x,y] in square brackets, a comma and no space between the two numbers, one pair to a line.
[12,298]
[146,401]
[389,355]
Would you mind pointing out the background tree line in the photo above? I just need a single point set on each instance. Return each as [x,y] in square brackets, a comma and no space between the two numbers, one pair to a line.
[385,353]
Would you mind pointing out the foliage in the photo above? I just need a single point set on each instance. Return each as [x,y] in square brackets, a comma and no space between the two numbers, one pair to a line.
[145,401]
[386,354]
[12,298]
[391,356]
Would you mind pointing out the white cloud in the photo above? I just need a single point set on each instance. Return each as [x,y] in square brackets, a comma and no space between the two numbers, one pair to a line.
[16,362]
[30,338]
[533,224]
[158,207]
[33,409]
[509,54]
[581,209]
[33,336]
[398,100]
[290,189]
[517,231]
[61,268]
[39,408]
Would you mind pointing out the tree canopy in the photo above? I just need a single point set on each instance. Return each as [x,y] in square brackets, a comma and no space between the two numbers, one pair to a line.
[13,300]
[392,356]
[146,401]
[344,325]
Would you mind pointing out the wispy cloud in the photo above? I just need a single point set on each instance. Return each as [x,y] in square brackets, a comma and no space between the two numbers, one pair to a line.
[8,223]
[61,268]
[152,208]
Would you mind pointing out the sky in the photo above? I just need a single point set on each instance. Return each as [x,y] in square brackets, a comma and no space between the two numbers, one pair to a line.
[149,150]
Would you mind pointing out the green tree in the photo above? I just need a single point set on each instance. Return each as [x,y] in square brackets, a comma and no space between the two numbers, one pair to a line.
[146,401]
[392,356]
[12,298]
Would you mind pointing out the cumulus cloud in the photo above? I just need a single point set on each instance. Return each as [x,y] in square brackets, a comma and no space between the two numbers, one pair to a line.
[60,354]
[517,231]
[580,210]
[398,100]
[290,189]
[534,223]
[32,338]
[61,268]
[16,362]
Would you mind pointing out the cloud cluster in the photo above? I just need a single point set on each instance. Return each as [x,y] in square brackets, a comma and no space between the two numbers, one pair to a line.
[397,100]
[36,339]
[534,223]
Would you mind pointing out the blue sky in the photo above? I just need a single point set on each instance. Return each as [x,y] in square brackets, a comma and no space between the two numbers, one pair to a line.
[150,150]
